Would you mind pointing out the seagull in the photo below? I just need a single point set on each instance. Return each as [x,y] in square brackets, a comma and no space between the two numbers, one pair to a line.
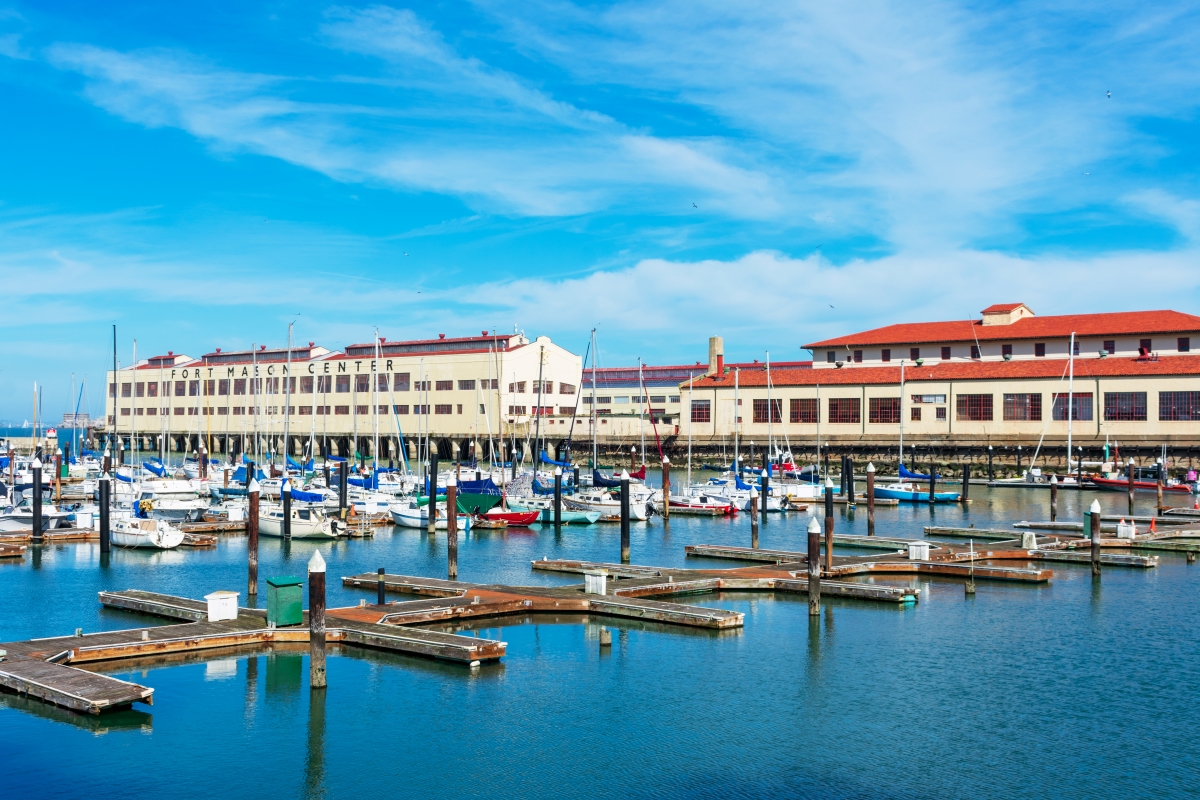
[831,306]
[406,254]
[1108,95]
[695,206]
[1087,173]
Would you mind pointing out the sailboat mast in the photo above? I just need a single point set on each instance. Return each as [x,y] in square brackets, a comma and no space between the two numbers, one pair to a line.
[901,462]
[287,403]
[736,421]
[770,412]
[1070,397]
[375,410]
[537,434]
[254,402]
[645,400]
[133,407]
[595,432]
[691,401]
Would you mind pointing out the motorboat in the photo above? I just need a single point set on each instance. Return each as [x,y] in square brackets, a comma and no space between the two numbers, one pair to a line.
[153,534]
[695,500]
[599,499]
[1122,485]
[410,514]
[544,506]
[307,522]
[22,515]
[515,518]
[173,507]
[910,492]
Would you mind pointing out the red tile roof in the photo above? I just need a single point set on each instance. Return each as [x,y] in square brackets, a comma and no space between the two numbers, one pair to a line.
[1124,323]
[1000,308]
[1093,367]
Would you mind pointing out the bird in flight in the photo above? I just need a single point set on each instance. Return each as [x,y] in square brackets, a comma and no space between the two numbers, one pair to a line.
[831,306]
[406,254]
[695,206]
[1108,95]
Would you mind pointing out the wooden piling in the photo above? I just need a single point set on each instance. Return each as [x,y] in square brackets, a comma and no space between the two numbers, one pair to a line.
[1159,487]
[870,499]
[1129,474]
[58,479]
[38,536]
[379,600]
[451,528]
[433,479]
[850,479]
[932,485]
[316,621]
[624,517]
[666,489]
[842,486]
[1053,498]
[966,484]
[1095,531]
[828,529]
[252,495]
[558,500]
[764,483]
[285,497]
[105,501]
[814,561]
[343,489]
[753,506]
[991,471]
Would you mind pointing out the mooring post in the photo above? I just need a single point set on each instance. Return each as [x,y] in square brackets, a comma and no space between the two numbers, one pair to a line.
[1159,487]
[1054,497]
[452,528]
[105,530]
[105,462]
[666,490]
[203,463]
[966,484]
[251,474]
[827,461]
[1095,530]
[991,470]
[325,469]
[1079,478]
[1019,473]
[870,498]
[433,479]
[316,621]
[753,506]
[38,536]
[624,517]
[932,484]
[252,496]
[58,478]
[763,493]
[850,479]
[379,589]
[842,487]
[557,500]
[814,562]
[828,526]
[1129,473]
[576,487]
[343,489]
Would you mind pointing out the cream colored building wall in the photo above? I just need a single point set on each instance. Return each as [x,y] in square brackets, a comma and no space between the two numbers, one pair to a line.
[1023,349]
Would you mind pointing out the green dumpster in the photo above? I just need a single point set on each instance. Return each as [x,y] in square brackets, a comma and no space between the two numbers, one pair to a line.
[285,604]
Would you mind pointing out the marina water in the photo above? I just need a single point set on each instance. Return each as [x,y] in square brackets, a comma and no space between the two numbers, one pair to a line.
[1074,689]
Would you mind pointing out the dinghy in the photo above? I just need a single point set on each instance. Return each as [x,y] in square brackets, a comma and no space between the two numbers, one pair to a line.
[153,534]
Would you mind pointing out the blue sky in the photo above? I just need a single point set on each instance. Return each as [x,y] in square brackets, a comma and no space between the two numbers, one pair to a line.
[203,174]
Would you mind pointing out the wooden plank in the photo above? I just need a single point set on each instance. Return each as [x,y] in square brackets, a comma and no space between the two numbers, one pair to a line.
[1106,559]
[448,647]
[580,567]
[674,613]
[742,553]
[68,687]
[859,591]
[983,534]
[404,584]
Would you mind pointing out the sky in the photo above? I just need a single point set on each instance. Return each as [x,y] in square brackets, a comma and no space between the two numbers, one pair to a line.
[201,175]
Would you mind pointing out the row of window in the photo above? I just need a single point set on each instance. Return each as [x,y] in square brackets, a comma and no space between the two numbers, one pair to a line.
[636,399]
[322,384]
[1118,407]
[237,411]
[1183,344]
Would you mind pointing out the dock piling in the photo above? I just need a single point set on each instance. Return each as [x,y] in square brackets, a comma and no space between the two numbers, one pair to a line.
[379,600]
[1053,498]
[557,500]
[814,561]
[850,479]
[764,483]
[343,489]
[433,479]
[842,487]
[753,506]
[624,517]
[828,531]
[58,462]
[870,498]
[316,621]
[38,536]
[991,470]
[451,528]
[1159,487]
[1094,514]
[1129,473]
[666,488]
[966,484]
[105,531]
[932,485]
[285,496]
[252,534]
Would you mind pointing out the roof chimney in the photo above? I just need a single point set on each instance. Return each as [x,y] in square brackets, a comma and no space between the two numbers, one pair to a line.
[218,349]
[716,355]
[170,352]
[441,336]
[262,347]
[312,344]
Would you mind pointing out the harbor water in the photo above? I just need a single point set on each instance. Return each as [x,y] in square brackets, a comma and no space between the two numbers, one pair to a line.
[1078,688]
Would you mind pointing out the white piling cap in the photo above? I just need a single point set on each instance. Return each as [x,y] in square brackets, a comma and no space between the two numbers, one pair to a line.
[870,466]
[1054,480]
[316,563]
[286,487]
[557,471]
[37,463]
[451,482]
[253,487]
[666,460]
[106,452]
[753,493]
[1095,507]
[59,452]
[828,482]
[104,476]
[813,525]
[624,474]
[1131,461]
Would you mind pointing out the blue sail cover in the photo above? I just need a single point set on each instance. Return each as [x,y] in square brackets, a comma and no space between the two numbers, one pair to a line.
[306,468]
[546,459]
[914,476]
[369,482]
[155,468]
[307,497]
[600,480]
[239,475]
[485,486]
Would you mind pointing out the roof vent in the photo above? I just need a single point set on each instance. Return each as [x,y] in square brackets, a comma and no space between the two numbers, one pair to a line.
[312,344]
[441,336]
[483,333]
[218,349]
[262,347]
[170,352]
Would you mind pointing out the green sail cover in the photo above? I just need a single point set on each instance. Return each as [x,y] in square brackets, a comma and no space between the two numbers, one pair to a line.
[468,503]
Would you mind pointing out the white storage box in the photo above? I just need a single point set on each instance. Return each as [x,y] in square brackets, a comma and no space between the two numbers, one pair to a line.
[237,514]
[595,581]
[918,551]
[83,519]
[222,605]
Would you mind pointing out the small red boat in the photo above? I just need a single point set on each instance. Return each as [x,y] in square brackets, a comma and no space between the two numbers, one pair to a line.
[515,518]
[1122,485]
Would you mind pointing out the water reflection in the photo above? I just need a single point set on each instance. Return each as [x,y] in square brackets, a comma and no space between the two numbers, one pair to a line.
[314,763]
[99,724]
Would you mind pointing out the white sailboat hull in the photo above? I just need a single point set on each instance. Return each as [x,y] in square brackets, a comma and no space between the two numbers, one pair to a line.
[151,534]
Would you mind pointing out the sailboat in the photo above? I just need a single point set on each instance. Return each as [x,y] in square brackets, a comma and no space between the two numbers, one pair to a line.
[905,489]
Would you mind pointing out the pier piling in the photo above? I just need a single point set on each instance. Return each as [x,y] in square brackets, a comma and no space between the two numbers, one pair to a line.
[252,536]
[966,484]
[828,532]
[433,479]
[343,488]
[1159,486]
[379,600]
[870,498]
[316,621]
[1129,474]
[38,536]
[624,517]
[1053,498]
[666,488]
[991,470]
[452,527]
[764,491]
[105,531]
[1094,514]
[557,500]
[932,485]
[285,496]
[814,559]
[753,506]
[850,479]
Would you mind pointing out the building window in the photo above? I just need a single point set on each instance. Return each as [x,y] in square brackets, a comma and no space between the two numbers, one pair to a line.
[342,384]
[223,411]
[272,385]
[516,410]
[858,356]
[256,386]
[1183,344]
[566,388]
[210,388]
[929,399]
[193,388]
[400,381]
[181,388]
[1075,349]
[914,353]
[701,410]
[975,351]
[845,410]
[400,409]
[915,414]
[673,398]
[658,398]
[1023,407]
[1144,347]
[1039,349]
[423,386]
[324,384]
[179,411]
[151,412]
[517,388]
[493,383]
[941,413]
[306,411]
[883,410]
[341,411]
[973,407]
[443,408]
[885,355]
[124,412]
[776,410]
[112,391]
[1006,350]
[444,386]
[460,408]
[466,386]
[193,412]
[381,382]
[622,400]
[830,357]
[421,410]
[152,389]
[239,386]
[140,390]
[139,412]
[945,354]
[362,383]
[382,410]
[1110,346]
[1179,406]
[1124,406]
[361,409]
[239,411]
[306,385]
